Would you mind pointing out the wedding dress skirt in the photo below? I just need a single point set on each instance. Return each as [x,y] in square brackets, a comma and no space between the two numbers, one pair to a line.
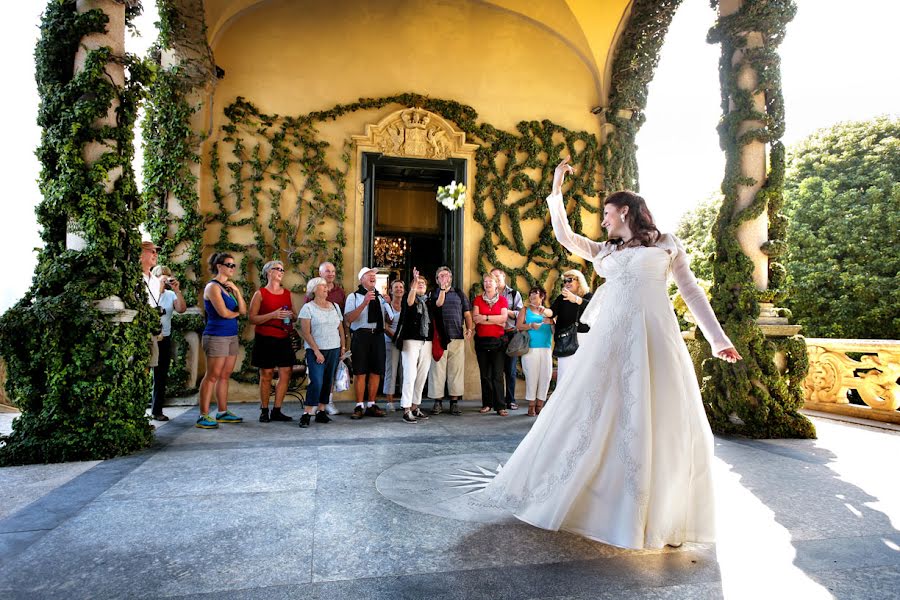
[622,452]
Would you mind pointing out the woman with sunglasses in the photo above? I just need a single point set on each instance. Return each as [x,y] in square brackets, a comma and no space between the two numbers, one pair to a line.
[223,303]
[568,308]
[272,312]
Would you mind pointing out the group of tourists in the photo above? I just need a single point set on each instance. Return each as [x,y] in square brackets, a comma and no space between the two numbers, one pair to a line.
[413,335]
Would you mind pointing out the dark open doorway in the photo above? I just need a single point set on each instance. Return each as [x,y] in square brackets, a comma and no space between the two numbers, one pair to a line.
[404,226]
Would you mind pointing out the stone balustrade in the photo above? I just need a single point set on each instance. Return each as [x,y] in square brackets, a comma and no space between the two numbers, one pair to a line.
[832,373]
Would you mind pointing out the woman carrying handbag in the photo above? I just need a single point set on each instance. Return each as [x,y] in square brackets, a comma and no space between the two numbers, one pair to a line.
[489,315]
[567,308]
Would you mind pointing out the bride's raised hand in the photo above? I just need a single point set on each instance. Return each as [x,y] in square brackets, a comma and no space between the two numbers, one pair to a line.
[560,173]
[730,355]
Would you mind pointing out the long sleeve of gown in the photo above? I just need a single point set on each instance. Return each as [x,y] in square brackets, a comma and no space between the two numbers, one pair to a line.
[696,300]
[571,241]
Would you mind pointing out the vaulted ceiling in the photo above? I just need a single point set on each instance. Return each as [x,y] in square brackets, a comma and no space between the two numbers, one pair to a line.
[589,27]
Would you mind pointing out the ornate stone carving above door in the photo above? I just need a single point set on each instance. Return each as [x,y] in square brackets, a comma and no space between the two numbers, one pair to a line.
[415,133]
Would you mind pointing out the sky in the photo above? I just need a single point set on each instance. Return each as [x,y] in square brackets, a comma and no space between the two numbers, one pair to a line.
[832,70]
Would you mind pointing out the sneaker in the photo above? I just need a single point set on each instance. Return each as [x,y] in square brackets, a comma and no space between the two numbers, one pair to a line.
[332,409]
[358,413]
[277,415]
[264,415]
[408,417]
[304,420]
[438,407]
[418,414]
[454,408]
[160,417]
[374,411]
[228,417]
[322,417]
[206,422]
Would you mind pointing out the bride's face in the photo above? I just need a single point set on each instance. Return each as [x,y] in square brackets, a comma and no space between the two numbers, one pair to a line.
[612,220]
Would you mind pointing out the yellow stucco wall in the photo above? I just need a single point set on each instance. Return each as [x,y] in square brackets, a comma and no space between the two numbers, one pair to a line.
[290,57]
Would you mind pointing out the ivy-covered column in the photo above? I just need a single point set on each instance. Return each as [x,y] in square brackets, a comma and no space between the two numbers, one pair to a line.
[761,395]
[637,55]
[77,357]
[184,78]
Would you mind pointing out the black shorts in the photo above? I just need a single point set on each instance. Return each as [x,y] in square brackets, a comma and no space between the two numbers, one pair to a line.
[367,352]
[272,352]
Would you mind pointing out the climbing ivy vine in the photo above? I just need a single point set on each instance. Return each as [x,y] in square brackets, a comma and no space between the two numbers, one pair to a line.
[753,397]
[171,155]
[635,62]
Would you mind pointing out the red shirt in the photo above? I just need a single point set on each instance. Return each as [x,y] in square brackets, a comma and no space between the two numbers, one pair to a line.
[270,302]
[489,329]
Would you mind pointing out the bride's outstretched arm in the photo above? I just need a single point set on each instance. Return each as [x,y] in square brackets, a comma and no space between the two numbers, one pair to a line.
[571,241]
[698,304]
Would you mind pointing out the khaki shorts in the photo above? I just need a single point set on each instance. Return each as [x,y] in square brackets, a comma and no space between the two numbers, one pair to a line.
[154,352]
[220,345]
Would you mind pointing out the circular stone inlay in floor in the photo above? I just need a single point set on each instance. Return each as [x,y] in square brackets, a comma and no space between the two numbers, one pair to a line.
[439,485]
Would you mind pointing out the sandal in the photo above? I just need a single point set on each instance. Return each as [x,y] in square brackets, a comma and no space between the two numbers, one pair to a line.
[531,412]
[540,405]
[485,410]
[503,413]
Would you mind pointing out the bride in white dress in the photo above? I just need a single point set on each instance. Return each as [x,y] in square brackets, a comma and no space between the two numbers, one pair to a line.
[622,453]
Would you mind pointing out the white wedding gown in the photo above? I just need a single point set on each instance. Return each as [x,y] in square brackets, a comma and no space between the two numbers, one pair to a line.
[622,452]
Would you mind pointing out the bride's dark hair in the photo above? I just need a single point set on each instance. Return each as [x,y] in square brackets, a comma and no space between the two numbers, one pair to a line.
[639,219]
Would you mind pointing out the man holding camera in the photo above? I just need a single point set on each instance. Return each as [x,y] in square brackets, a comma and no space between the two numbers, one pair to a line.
[153,287]
[164,297]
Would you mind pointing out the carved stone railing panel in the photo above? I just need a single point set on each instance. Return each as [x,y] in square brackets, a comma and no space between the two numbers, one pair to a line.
[874,377]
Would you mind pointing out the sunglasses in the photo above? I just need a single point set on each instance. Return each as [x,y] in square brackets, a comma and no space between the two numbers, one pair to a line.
[229,265]
[568,280]
[277,269]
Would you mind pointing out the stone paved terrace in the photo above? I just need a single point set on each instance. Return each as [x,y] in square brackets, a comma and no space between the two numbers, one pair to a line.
[366,510]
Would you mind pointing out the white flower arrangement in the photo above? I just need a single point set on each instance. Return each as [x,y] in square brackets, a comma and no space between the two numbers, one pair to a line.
[452,196]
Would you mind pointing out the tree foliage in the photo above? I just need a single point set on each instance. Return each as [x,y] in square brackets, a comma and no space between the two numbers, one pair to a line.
[842,196]
[695,231]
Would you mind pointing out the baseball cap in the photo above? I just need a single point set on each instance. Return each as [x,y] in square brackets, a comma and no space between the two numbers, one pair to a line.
[365,270]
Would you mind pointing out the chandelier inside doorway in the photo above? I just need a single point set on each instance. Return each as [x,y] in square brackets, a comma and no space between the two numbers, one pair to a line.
[390,252]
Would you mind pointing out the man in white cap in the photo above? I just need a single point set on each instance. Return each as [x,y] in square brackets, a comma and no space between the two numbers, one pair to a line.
[153,287]
[364,312]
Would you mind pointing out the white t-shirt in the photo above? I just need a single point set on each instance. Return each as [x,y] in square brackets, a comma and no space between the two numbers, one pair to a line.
[392,319]
[323,324]
[167,301]
[153,288]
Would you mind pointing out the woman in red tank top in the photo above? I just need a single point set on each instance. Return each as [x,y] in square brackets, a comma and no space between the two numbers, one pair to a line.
[272,312]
